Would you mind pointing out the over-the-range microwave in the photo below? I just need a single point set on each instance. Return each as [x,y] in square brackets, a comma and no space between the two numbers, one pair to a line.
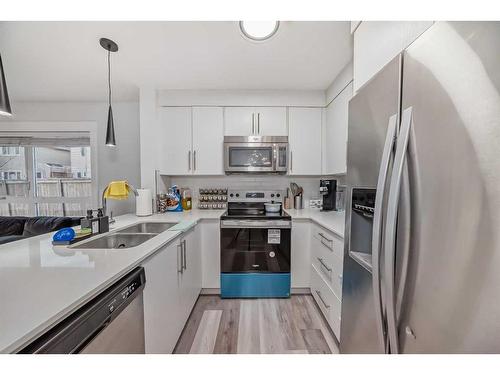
[255,154]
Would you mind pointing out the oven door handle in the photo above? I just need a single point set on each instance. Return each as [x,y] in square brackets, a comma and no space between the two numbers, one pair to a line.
[255,224]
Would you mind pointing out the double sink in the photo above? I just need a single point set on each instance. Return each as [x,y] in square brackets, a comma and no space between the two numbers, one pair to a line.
[131,236]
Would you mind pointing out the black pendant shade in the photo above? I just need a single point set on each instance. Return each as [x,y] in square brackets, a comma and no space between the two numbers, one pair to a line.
[109,46]
[110,130]
[4,95]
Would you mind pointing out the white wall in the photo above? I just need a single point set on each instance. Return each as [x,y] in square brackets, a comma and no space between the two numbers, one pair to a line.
[121,162]
[339,83]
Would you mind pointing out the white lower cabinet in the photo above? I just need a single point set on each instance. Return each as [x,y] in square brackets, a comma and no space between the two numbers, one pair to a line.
[300,254]
[173,283]
[210,256]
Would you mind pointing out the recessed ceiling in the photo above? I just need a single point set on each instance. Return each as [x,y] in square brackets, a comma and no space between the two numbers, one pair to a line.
[63,61]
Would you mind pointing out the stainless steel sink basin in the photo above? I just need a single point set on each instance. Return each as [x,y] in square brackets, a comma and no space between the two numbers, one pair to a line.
[116,241]
[149,227]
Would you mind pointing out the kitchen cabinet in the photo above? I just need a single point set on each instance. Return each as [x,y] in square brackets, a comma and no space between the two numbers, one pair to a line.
[247,121]
[335,139]
[163,318]
[175,145]
[305,141]
[376,43]
[191,141]
[190,275]
[210,257]
[300,254]
[208,139]
[173,283]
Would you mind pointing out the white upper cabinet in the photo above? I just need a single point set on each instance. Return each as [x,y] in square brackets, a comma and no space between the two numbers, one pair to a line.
[175,144]
[305,141]
[246,121]
[378,42]
[239,121]
[208,138]
[271,121]
[335,134]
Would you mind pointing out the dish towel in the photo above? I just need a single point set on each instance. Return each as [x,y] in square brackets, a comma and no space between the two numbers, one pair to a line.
[117,190]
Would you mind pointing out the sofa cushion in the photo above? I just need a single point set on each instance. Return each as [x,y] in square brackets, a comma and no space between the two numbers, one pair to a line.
[45,224]
[12,225]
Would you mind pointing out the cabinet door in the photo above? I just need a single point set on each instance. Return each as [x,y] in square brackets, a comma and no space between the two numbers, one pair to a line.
[305,141]
[239,121]
[162,315]
[208,138]
[376,43]
[335,139]
[271,121]
[300,257]
[191,275]
[175,143]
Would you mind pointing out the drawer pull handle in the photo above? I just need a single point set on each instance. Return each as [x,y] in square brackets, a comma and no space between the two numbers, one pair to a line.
[324,265]
[326,245]
[324,237]
[322,300]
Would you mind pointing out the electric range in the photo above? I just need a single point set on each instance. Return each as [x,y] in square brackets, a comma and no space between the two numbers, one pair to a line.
[255,246]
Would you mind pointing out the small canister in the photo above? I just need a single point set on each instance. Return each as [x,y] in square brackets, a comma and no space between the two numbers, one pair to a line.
[298,202]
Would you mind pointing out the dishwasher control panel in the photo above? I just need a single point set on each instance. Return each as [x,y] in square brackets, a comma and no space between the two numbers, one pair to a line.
[125,293]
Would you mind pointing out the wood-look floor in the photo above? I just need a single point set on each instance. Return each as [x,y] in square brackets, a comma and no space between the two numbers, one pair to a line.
[270,326]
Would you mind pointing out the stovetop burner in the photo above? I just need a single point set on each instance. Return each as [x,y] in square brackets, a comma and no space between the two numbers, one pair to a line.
[243,204]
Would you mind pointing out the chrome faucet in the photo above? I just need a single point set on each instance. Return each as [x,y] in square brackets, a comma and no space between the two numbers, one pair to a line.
[104,203]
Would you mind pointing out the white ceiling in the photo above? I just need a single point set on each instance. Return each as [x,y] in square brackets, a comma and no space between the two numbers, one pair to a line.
[64,61]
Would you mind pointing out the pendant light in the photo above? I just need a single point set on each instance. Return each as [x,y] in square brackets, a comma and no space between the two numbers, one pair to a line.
[109,46]
[4,95]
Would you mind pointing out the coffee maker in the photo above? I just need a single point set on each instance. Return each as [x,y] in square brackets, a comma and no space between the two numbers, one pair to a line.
[328,190]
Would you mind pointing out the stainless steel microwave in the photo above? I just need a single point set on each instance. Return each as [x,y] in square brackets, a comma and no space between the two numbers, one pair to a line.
[255,154]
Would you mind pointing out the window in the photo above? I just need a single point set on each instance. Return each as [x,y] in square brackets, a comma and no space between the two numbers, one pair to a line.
[45,176]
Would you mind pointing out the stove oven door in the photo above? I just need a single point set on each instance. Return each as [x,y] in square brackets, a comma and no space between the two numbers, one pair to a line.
[255,246]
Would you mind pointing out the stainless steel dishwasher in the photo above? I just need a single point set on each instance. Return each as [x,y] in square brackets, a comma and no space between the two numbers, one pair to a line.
[111,323]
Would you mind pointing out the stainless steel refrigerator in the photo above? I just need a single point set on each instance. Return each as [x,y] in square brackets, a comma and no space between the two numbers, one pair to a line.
[422,241]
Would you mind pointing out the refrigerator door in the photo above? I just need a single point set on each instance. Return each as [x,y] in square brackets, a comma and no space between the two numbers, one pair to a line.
[370,113]
[451,82]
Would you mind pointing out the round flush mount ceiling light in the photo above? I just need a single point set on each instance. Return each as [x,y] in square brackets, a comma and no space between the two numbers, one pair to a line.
[259,30]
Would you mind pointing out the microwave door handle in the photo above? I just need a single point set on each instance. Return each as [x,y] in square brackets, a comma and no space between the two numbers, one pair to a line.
[377,221]
[253,123]
[258,123]
[390,229]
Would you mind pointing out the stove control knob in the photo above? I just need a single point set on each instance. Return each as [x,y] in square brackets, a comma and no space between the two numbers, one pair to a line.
[278,195]
[231,195]
[272,195]
[237,195]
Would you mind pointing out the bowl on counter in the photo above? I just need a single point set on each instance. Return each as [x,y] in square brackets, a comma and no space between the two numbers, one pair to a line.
[272,207]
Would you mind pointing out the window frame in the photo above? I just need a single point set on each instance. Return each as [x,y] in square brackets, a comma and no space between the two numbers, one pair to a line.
[51,129]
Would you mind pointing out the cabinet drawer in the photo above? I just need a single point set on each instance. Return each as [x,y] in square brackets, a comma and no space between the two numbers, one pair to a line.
[328,303]
[329,240]
[328,265]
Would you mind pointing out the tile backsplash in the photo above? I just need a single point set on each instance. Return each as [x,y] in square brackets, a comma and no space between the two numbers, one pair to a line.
[309,184]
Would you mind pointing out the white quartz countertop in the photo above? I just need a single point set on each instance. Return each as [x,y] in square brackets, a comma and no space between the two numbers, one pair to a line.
[41,284]
[331,220]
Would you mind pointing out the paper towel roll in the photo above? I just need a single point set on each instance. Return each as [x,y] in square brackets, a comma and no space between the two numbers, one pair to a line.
[144,202]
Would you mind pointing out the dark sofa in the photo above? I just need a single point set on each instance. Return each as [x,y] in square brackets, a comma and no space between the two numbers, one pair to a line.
[13,228]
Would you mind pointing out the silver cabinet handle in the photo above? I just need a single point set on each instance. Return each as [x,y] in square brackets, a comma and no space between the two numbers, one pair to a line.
[328,246]
[390,227]
[291,161]
[179,258]
[324,264]
[189,160]
[377,225]
[194,160]
[322,300]
[253,123]
[258,123]
[184,252]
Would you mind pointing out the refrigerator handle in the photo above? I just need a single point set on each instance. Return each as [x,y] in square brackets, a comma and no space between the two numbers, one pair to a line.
[390,228]
[377,221]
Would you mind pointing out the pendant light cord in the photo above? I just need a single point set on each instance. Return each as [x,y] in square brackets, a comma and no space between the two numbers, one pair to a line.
[109,78]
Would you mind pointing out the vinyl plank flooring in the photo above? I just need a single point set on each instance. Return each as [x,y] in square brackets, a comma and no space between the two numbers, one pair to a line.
[315,341]
[252,326]
[206,335]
